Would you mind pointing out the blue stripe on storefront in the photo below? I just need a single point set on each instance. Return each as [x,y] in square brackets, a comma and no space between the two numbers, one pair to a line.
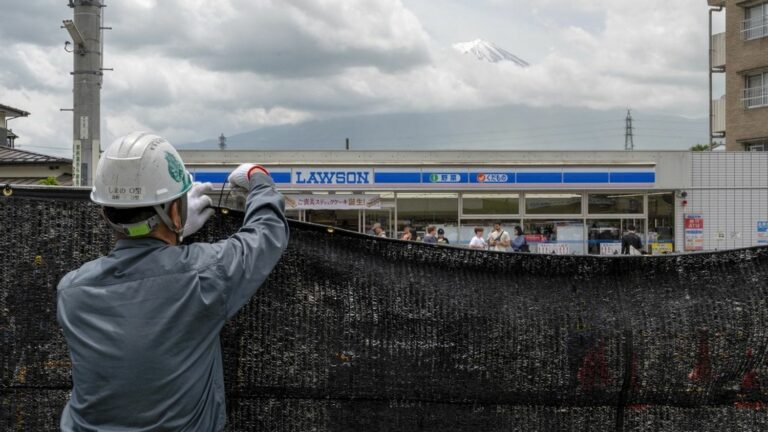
[586,177]
[540,177]
[221,177]
[633,177]
[397,177]
[281,177]
[213,177]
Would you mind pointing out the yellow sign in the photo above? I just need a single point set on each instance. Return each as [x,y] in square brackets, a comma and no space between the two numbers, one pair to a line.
[662,248]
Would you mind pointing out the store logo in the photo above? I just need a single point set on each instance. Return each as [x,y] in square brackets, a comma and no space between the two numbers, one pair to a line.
[332,177]
[492,178]
[445,178]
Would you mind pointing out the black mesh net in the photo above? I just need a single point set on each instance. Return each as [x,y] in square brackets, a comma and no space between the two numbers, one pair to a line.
[355,333]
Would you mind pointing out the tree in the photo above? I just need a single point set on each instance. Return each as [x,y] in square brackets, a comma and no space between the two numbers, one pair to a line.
[700,147]
[49,181]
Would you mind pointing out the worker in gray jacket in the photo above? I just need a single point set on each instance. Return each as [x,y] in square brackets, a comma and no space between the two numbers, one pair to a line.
[142,323]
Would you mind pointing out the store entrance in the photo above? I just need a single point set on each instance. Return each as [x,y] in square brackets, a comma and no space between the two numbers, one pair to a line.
[344,219]
[604,235]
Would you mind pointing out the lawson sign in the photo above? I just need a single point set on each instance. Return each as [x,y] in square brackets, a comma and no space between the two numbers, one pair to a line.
[314,176]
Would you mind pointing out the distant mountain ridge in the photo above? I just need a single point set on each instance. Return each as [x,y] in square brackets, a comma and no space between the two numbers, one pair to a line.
[504,128]
[489,52]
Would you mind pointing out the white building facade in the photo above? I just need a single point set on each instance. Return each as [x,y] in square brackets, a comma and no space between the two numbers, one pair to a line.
[566,202]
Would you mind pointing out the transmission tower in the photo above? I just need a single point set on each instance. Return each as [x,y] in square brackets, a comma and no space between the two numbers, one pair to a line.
[629,142]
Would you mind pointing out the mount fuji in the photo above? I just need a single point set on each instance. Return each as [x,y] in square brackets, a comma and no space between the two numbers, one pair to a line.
[488,51]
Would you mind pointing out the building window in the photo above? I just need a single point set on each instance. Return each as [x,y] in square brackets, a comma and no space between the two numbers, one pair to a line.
[755,25]
[604,235]
[615,203]
[490,204]
[759,146]
[552,204]
[559,237]
[419,210]
[755,90]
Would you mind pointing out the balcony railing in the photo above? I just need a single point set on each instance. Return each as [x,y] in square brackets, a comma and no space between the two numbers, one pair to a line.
[754,28]
[755,97]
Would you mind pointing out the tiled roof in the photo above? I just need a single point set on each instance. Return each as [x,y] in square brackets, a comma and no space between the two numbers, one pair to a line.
[13,156]
[13,111]
[64,180]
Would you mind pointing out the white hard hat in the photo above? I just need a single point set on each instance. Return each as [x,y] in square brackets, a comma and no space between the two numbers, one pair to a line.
[141,170]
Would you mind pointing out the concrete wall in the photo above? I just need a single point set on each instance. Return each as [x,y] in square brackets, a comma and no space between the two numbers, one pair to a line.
[742,56]
[730,190]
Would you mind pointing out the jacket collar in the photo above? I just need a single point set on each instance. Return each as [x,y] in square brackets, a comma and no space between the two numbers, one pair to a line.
[144,242]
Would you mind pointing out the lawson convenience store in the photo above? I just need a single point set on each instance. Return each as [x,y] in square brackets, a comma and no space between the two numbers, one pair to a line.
[570,203]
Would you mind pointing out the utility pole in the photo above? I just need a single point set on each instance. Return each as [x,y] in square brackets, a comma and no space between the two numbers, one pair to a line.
[85,31]
[629,142]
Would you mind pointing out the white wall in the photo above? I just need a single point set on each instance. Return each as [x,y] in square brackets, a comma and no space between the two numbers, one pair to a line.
[730,190]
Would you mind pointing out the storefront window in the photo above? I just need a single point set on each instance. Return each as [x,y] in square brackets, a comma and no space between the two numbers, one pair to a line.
[604,235]
[344,219]
[560,237]
[490,204]
[615,203]
[419,210]
[468,228]
[552,204]
[661,222]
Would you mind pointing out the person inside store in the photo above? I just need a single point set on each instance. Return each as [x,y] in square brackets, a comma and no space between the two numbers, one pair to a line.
[499,239]
[407,234]
[378,231]
[441,237]
[478,242]
[631,243]
[372,231]
[431,236]
[519,244]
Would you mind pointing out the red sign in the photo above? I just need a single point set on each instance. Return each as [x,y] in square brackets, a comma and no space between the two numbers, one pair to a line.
[694,223]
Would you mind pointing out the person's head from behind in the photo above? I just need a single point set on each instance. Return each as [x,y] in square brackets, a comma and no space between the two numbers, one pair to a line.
[142,186]
[518,231]
[441,232]
[479,231]
[431,230]
[631,228]
[407,229]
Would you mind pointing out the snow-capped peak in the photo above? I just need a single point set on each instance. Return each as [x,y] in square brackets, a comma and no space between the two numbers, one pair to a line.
[488,51]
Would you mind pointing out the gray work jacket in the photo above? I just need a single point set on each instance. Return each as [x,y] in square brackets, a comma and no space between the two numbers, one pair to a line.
[142,323]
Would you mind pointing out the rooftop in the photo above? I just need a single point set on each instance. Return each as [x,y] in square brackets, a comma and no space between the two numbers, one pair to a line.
[14,156]
[11,111]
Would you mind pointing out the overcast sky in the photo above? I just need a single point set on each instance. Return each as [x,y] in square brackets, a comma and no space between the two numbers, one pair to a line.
[190,69]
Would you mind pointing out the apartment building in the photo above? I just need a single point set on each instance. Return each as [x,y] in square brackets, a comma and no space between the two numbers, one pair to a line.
[741,52]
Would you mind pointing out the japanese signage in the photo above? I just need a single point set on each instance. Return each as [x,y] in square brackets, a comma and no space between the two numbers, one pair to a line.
[694,231]
[553,248]
[332,202]
[762,232]
[662,248]
[610,248]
